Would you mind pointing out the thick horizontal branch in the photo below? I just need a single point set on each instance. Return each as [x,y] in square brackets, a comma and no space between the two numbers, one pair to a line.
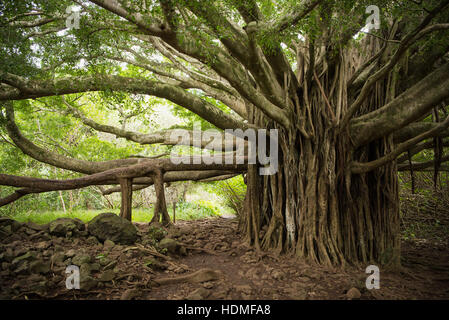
[176,176]
[359,168]
[420,166]
[414,129]
[144,169]
[30,89]
[410,106]
[166,137]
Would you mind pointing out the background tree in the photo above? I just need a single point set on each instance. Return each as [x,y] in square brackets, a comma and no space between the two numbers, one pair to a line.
[346,104]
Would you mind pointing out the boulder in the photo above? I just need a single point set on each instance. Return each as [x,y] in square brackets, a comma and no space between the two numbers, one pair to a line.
[36,227]
[107,276]
[353,293]
[15,225]
[108,245]
[40,266]
[81,258]
[65,226]
[169,244]
[109,226]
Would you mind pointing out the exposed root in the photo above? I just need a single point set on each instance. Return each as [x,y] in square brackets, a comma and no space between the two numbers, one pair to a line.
[202,275]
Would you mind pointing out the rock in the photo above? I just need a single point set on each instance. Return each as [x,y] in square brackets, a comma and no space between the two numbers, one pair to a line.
[36,227]
[85,270]
[43,245]
[67,262]
[108,244]
[29,256]
[23,268]
[71,253]
[208,285]
[81,258]
[8,255]
[39,267]
[104,261]
[5,266]
[182,251]
[169,244]
[353,293]
[87,283]
[110,265]
[30,232]
[65,226]
[95,267]
[278,275]
[156,232]
[109,226]
[92,241]
[106,276]
[246,289]
[5,231]
[155,265]
[198,294]
[15,225]
[130,294]
[58,258]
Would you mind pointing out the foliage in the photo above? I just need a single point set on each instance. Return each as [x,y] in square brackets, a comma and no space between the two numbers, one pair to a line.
[184,211]
[232,192]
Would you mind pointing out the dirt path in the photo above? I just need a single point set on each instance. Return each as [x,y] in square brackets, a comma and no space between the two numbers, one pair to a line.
[248,276]
[223,267]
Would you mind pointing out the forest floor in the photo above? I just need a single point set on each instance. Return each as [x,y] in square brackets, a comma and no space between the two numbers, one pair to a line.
[211,261]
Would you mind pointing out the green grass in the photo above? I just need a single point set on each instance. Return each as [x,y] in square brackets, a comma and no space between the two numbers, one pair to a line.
[184,211]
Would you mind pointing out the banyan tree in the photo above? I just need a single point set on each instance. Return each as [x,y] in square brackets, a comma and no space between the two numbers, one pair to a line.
[351,104]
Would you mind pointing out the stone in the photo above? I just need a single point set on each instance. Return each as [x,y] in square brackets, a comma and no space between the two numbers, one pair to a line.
[104,261]
[182,251]
[65,226]
[85,269]
[110,265]
[5,231]
[109,226]
[43,245]
[36,227]
[29,256]
[87,283]
[81,258]
[15,225]
[106,276]
[92,241]
[58,258]
[208,285]
[71,253]
[40,267]
[246,289]
[353,293]
[108,244]
[198,294]
[155,265]
[169,244]
[95,267]
[156,232]
[130,294]
[23,268]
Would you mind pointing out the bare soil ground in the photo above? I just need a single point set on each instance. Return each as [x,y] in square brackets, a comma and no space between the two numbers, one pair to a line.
[222,265]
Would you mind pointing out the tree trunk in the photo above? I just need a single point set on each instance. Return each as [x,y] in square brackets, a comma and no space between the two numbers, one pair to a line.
[127,198]
[313,205]
[160,208]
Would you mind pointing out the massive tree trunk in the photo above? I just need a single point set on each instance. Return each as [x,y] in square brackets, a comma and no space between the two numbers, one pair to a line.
[314,205]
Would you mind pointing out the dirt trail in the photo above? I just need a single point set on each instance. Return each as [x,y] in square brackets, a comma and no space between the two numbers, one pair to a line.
[249,276]
[212,263]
